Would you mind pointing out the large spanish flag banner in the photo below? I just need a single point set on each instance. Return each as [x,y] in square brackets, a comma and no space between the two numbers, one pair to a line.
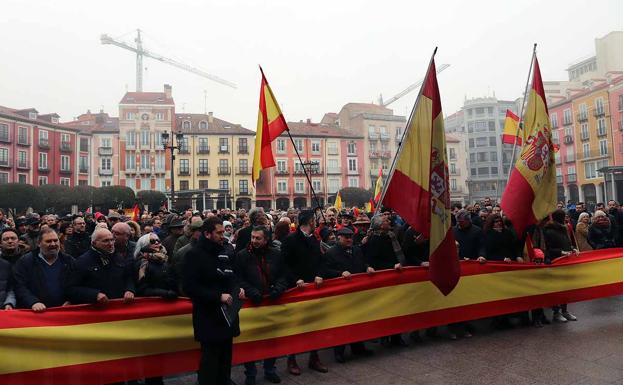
[512,133]
[87,344]
[418,186]
[270,124]
[530,194]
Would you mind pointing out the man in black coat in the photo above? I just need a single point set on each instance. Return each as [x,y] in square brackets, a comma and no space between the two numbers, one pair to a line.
[343,260]
[99,275]
[257,217]
[468,235]
[7,295]
[79,241]
[209,281]
[176,230]
[261,272]
[301,252]
[40,275]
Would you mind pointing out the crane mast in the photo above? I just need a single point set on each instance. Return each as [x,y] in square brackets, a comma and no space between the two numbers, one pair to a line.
[140,52]
[413,86]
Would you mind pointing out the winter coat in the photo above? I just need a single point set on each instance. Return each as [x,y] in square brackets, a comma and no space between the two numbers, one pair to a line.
[261,272]
[470,240]
[415,253]
[95,273]
[77,244]
[302,257]
[339,259]
[7,296]
[207,275]
[499,245]
[30,285]
[581,237]
[556,240]
[159,280]
[379,252]
[601,237]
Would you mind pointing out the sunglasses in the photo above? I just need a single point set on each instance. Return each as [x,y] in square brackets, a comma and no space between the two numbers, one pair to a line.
[154,241]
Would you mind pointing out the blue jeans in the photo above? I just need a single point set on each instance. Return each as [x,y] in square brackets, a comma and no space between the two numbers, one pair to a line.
[269,367]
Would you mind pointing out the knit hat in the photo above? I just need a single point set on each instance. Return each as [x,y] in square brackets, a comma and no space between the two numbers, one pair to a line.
[227,223]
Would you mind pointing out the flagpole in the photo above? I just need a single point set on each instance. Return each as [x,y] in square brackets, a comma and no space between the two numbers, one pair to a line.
[311,187]
[404,133]
[521,119]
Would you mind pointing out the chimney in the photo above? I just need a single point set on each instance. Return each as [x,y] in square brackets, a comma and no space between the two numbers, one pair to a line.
[308,120]
[210,117]
[168,91]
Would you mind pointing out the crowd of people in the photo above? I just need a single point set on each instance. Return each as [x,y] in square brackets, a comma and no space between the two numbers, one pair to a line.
[224,256]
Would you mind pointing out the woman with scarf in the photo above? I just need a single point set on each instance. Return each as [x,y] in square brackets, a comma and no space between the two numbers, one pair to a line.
[581,232]
[600,233]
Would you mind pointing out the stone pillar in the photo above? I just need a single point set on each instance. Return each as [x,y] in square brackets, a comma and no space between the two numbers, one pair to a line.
[600,192]
[580,193]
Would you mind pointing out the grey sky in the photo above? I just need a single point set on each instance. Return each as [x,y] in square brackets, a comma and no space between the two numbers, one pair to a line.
[317,55]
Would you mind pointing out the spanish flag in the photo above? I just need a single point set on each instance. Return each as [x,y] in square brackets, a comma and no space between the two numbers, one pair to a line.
[378,187]
[135,213]
[530,194]
[270,124]
[338,201]
[418,187]
[512,132]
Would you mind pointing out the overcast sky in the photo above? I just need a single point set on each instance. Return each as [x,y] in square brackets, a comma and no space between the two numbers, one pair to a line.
[317,55]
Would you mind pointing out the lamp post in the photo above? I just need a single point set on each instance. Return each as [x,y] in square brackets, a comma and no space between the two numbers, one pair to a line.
[311,168]
[165,144]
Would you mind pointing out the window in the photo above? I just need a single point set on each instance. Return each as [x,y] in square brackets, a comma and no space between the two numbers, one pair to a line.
[160,162]
[159,115]
[203,167]
[566,117]
[160,184]
[599,106]
[130,139]
[589,170]
[494,170]
[186,125]
[65,181]
[452,152]
[43,161]
[586,150]
[352,148]
[183,185]
[473,172]
[22,159]
[571,170]
[603,147]
[352,165]
[569,153]
[223,163]
[106,163]
[601,127]
[299,145]
[282,166]
[492,141]
[130,161]
[145,184]
[282,186]
[298,168]
[583,112]
[106,142]
[183,145]
[315,147]
[43,138]
[316,184]
[21,178]
[332,148]
[353,182]
[84,144]
[184,166]
[243,165]
[472,157]
[334,185]
[158,140]
[43,180]
[65,138]
[493,156]
[243,186]
[105,183]
[482,156]
[64,163]
[281,146]
[22,135]
[584,131]
[569,131]
[243,148]
[4,177]
[453,184]
[471,143]
[223,184]
[145,161]
[4,132]
[452,168]
[299,186]
[332,165]
[4,156]
[203,184]
[223,145]
[130,115]
[555,137]
[131,183]
[203,125]
[554,120]
[203,146]
[144,137]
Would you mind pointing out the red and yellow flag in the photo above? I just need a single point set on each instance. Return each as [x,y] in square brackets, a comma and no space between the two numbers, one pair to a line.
[512,132]
[378,187]
[418,188]
[270,124]
[338,201]
[530,194]
[136,213]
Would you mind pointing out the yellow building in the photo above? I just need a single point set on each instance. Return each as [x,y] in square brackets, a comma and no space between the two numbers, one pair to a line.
[594,142]
[215,156]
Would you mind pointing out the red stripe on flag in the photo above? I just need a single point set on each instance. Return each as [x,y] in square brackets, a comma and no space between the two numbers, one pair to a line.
[509,114]
[431,90]
[445,269]
[511,139]
[517,202]
[537,83]
[402,186]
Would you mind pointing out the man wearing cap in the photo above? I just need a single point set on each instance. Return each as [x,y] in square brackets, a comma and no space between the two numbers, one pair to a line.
[362,224]
[343,260]
[79,241]
[175,230]
[33,225]
[113,218]
[301,252]
[347,222]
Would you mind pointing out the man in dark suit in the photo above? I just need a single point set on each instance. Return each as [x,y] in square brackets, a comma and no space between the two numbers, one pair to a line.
[209,281]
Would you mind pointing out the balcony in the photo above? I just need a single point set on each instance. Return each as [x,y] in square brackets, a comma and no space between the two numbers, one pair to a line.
[601,131]
[373,136]
[456,190]
[22,140]
[283,171]
[144,170]
[65,170]
[106,151]
[128,146]
[159,170]
[6,162]
[203,171]
[224,170]
[586,155]
[599,112]
[243,171]
[559,179]
[44,144]
[203,150]
[571,178]
[582,117]
[567,122]
[243,192]
[65,147]
[223,149]
[375,154]
[568,139]
[299,171]
[183,150]
[354,172]
[570,158]
[584,135]
[386,154]
[83,170]
[22,164]
[183,172]
[243,149]
[333,170]
[105,171]
[5,137]
[384,137]
[456,172]
[333,151]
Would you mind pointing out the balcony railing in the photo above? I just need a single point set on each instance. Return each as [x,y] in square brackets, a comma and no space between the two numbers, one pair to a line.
[571,178]
[105,172]
[65,170]
[584,135]
[65,147]
[6,162]
[375,154]
[202,171]
[582,117]
[203,149]
[384,137]
[567,122]
[159,170]
[333,151]
[44,143]
[558,178]
[83,170]
[599,112]
[282,171]
[224,170]
[183,172]
[601,131]
[104,151]
[386,154]
[223,149]
[456,172]
[243,171]
[144,170]
[22,164]
[373,135]
[43,168]
[243,191]
[5,137]
[333,170]
[22,140]
[568,139]
[354,172]
[570,158]
[184,150]
[243,149]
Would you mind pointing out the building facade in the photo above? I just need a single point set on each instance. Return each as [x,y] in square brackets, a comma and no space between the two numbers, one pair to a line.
[457,167]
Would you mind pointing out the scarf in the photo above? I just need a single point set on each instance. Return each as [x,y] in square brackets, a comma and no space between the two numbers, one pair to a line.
[157,257]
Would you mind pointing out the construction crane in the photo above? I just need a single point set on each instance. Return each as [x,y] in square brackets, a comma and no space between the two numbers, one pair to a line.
[140,52]
[408,89]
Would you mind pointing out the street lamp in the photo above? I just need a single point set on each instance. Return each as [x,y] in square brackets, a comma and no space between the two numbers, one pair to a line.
[179,137]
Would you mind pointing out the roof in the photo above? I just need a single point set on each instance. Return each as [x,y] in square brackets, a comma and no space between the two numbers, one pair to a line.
[215,126]
[100,122]
[358,108]
[22,116]
[146,98]
[452,139]
[308,129]
[579,93]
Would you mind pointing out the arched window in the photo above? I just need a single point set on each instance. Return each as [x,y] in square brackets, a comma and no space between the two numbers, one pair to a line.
[203,125]
[186,125]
